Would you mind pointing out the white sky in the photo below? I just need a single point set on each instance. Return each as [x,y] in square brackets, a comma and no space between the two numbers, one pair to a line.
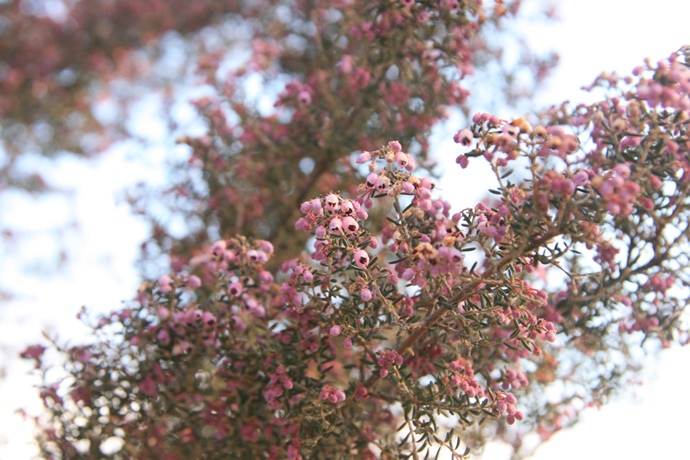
[593,36]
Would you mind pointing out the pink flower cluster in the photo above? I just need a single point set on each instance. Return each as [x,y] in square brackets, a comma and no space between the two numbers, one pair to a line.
[505,404]
[513,379]
[670,86]
[331,214]
[332,394]
[301,93]
[388,359]
[278,383]
[462,377]
[618,191]
[492,221]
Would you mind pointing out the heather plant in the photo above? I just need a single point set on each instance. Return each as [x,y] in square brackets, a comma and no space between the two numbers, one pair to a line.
[335,78]
[73,74]
[328,302]
[369,346]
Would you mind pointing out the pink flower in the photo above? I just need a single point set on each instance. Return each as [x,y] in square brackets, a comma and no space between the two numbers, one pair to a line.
[335,226]
[480,117]
[464,137]
[347,207]
[33,352]
[193,282]
[408,274]
[218,248]
[361,392]
[148,387]
[255,256]
[411,163]
[235,289]
[163,337]
[395,146]
[361,258]
[581,178]
[304,98]
[316,206]
[622,170]
[331,394]
[293,453]
[208,319]
[265,277]
[164,283]
[372,180]
[346,63]
[363,157]
[463,161]
[350,225]
[334,331]
[654,182]
[382,183]
[332,202]
[266,246]
[401,159]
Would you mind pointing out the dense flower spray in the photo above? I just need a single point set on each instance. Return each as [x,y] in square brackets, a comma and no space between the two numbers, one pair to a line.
[357,350]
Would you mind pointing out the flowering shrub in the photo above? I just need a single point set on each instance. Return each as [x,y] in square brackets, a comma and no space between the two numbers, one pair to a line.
[75,75]
[409,327]
[341,77]
[365,347]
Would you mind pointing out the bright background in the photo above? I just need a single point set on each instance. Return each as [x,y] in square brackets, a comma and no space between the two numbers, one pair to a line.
[101,239]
